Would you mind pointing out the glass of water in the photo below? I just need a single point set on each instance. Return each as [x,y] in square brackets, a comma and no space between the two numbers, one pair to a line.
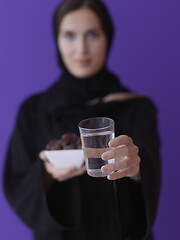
[95,134]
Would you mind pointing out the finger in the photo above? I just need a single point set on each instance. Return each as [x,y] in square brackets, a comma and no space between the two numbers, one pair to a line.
[107,168]
[66,171]
[42,156]
[120,152]
[80,171]
[120,140]
[73,173]
[121,164]
[49,167]
[123,173]
[127,162]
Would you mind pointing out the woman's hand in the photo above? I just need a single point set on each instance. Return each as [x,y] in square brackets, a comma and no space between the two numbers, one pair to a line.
[62,174]
[127,160]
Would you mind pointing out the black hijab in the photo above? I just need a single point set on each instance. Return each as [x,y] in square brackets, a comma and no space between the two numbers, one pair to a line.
[70,95]
[70,91]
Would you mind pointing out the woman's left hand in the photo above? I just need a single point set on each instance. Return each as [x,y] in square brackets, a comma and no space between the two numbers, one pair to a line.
[127,160]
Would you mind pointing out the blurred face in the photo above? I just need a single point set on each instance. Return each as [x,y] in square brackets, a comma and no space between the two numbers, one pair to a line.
[82,43]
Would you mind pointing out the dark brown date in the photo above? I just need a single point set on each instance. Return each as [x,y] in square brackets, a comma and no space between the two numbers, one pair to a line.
[67,141]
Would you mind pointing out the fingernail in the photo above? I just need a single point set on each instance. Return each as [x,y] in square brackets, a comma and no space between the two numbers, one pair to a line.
[111,143]
[105,169]
[105,156]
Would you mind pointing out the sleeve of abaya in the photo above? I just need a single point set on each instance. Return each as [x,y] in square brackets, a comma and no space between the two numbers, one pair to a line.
[23,180]
[146,137]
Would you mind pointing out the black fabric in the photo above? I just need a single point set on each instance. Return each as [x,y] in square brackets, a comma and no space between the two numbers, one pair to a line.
[69,93]
[82,208]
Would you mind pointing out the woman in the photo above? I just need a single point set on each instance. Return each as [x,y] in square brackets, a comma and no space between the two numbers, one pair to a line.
[67,204]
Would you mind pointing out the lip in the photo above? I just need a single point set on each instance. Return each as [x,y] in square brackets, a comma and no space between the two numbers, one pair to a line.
[82,62]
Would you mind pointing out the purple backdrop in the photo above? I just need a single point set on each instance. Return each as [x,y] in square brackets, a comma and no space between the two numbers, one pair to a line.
[146,54]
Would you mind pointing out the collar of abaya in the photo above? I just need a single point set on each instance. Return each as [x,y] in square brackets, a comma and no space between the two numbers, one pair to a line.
[70,91]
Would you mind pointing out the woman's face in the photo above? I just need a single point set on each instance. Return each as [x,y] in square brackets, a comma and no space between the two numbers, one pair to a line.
[82,43]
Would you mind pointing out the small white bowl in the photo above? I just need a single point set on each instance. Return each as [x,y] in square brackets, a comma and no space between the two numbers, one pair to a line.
[65,158]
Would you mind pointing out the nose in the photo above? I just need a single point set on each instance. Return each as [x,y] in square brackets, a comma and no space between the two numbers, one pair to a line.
[81,46]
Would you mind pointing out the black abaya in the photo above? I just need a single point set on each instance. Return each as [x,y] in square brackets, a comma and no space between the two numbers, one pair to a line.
[83,207]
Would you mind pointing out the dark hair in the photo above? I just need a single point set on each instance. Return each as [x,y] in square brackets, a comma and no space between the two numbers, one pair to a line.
[96,6]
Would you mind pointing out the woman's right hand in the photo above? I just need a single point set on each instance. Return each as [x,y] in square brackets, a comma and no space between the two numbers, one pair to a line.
[61,174]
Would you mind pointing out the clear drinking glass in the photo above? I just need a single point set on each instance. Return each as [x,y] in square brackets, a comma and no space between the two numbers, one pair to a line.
[95,135]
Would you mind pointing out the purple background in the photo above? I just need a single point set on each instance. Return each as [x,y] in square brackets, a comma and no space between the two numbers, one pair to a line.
[146,54]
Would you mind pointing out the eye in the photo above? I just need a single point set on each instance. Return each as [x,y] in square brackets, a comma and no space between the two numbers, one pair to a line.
[92,35]
[69,35]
